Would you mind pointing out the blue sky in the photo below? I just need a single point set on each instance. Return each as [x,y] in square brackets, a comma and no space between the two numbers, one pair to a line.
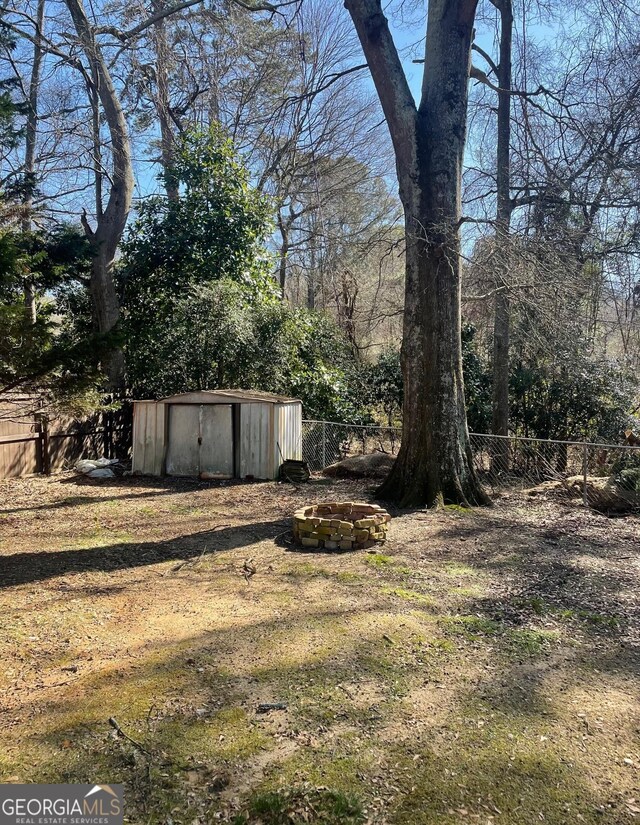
[409,39]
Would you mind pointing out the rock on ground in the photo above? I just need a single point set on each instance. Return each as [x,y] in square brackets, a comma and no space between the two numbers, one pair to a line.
[375,465]
[603,494]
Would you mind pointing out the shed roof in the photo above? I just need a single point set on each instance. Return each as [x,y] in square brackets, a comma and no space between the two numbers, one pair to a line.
[227,397]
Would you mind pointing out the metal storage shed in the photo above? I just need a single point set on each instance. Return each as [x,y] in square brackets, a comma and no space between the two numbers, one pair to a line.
[216,434]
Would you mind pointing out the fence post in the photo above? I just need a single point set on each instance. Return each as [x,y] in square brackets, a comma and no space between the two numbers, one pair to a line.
[324,444]
[45,458]
[107,421]
[585,462]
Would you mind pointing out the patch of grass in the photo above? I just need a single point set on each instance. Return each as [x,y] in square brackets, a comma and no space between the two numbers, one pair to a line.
[472,626]
[228,735]
[529,642]
[595,619]
[309,805]
[76,743]
[344,770]
[410,596]
[378,559]
[457,508]
[147,510]
[469,592]
[390,668]
[445,645]
[187,510]
[72,501]
[128,694]
[305,568]
[457,570]
[154,794]
[518,782]
[321,703]
[508,560]
[533,603]
[517,641]
[346,577]
[101,537]
[504,766]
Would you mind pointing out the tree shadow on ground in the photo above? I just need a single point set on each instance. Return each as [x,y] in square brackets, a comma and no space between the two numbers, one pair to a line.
[26,568]
[74,501]
[550,569]
[209,745]
[551,581]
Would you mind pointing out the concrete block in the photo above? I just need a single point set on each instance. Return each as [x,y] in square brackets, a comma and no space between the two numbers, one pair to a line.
[365,522]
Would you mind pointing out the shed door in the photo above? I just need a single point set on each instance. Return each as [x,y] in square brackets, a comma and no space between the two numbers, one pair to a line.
[256,443]
[183,452]
[200,440]
[216,434]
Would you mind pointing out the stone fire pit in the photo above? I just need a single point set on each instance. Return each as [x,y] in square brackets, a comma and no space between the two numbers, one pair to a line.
[344,525]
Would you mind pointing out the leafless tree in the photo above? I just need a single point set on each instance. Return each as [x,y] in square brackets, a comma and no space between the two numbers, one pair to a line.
[31,133]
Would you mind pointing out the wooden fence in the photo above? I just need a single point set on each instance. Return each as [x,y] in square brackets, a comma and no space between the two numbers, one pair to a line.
[32,444]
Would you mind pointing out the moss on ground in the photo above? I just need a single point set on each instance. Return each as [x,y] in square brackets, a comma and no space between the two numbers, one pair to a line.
[457,570]
[496,780]
[471,626]
[516,642]
[410,596]
[458,509]
[228,735]
[347,577]
[597,620]
[378,559]
[303,569]
[395,713]
[309,805]
[99,536]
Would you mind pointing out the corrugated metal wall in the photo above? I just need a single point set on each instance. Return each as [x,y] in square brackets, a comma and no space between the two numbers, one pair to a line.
[263,426]
[256,440]
[183,443]
[216,449]
[288,432]
[148,437]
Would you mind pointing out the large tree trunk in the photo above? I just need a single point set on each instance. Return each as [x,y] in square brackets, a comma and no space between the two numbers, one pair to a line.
[31,135]
[111,221]
[435,463]
[501,326]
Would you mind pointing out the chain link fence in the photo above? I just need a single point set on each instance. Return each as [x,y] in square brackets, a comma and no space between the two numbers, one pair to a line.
[603,476]
[325,442]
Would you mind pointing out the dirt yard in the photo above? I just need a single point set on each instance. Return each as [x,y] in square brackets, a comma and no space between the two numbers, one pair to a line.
[483,668]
